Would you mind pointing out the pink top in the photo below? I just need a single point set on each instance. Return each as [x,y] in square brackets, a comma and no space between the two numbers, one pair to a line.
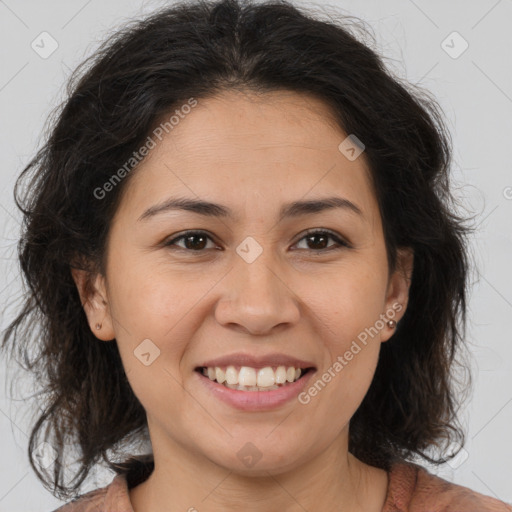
[411,488]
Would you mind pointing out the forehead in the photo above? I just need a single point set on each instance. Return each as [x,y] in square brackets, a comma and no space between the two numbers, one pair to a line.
[252,150]
[271,123]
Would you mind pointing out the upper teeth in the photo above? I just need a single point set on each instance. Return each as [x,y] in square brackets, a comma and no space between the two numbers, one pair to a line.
[247,376]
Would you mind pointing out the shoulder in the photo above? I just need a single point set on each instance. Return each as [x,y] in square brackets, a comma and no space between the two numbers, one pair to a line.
[89,502]
[111,498]
[414,489]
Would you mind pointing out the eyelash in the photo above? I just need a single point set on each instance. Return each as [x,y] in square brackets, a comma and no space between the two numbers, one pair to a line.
[341,243]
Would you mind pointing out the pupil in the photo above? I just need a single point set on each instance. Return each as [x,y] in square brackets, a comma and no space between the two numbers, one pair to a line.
[312,237]
[192,245]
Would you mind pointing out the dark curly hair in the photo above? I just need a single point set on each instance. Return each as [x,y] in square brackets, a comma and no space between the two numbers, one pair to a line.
[115,98]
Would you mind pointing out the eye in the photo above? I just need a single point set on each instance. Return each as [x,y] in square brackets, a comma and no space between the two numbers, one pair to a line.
[193,240]
[196,241]
[319,237]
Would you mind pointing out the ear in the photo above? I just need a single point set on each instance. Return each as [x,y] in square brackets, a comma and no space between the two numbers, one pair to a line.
[397,296]
[94,298]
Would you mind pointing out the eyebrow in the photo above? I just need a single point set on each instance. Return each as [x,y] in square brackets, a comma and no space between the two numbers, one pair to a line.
[288,210]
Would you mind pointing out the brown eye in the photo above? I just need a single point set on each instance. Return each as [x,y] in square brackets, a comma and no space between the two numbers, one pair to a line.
[193,241]
[318,241]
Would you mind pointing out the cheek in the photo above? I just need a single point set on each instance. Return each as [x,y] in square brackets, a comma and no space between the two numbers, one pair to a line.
[337,390]
[346,303]
[348,325]
[148,298]
[161,307]
[348,387]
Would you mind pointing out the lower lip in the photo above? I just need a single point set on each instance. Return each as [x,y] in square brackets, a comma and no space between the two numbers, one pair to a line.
[256,400]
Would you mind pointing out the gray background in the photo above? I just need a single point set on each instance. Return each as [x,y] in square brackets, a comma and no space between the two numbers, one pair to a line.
[475,91]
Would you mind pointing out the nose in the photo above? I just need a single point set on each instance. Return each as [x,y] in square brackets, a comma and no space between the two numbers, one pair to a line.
[256,297]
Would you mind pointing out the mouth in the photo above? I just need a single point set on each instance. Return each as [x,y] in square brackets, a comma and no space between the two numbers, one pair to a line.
[250,389]
[245,378]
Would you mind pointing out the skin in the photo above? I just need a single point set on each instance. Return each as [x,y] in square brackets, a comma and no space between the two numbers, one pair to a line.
[252,154]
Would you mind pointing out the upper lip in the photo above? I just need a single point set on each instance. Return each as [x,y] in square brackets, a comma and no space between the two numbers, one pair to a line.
[240,359]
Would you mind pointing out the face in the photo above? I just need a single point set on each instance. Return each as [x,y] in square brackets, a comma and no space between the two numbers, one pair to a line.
[307,284]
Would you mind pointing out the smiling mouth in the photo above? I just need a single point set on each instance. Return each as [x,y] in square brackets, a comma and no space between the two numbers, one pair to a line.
[281,379]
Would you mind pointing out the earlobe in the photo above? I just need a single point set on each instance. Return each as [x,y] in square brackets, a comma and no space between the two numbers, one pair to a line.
[398,290]
[94,299]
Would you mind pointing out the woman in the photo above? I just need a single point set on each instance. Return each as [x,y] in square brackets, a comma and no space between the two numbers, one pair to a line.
[240,247]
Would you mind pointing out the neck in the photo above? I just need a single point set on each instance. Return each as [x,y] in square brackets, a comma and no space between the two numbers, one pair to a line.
[333,480]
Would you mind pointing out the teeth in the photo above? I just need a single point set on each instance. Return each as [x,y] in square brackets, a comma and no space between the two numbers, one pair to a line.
[220,376]
[252,379]
[231,375]
[249,388]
